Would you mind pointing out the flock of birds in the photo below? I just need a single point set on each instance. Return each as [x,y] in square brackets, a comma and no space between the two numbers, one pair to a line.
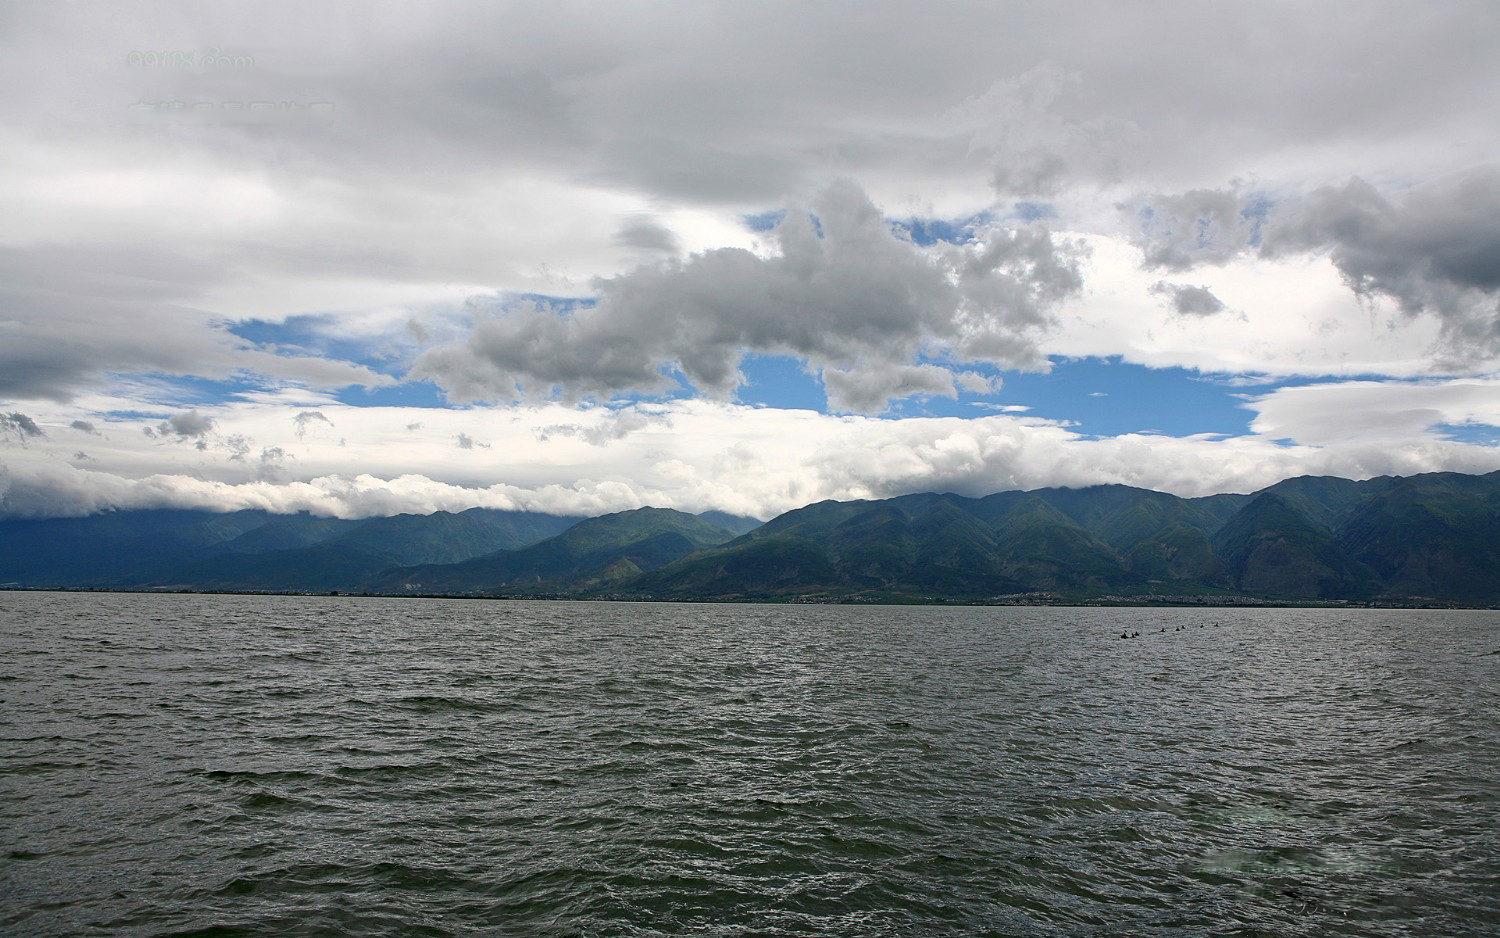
[1180,628]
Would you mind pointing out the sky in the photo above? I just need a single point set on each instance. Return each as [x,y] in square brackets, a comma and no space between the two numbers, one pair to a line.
[363,258]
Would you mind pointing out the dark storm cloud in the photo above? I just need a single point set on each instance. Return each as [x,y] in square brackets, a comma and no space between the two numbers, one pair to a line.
[20,426]
[1436,250]
[189,425]
[1188,300]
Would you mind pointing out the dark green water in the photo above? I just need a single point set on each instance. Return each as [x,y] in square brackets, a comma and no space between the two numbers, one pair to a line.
[195,765]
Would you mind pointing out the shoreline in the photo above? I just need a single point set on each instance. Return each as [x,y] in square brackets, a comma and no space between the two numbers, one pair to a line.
[1105,602]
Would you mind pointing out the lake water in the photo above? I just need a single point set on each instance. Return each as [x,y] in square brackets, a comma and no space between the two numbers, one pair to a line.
[219,765]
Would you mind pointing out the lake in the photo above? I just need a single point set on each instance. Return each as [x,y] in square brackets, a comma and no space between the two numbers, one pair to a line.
[257,765]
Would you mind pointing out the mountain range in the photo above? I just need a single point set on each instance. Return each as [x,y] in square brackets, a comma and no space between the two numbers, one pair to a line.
[1425,538]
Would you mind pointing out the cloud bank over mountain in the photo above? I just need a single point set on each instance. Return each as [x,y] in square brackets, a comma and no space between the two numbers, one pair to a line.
[695,455]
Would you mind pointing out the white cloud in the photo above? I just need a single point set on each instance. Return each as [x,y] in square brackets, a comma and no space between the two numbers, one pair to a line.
[1398,414]
[842,292]
[696,455]
[1293,315]
[1436,251]
[308,418]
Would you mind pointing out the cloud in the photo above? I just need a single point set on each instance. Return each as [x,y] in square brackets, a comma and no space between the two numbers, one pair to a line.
[1003,408]
[696,454]
[1035,147]
[84,426]
[1201,226]
[20,426]
[308,417]
[1291,314]
[77,313]
[189,425]
[1435,251]
[1187,299]
[271,466]
[870,389]
[1391,413]
[613,425]
[60,490]
[645,235]
[843,293]
[238,446]
[977,457]
[131,238]
[976,383]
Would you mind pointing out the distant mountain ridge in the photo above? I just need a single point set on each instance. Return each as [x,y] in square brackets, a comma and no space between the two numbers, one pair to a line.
[206,550]
[1433,537]
[1424,538]
[599,552]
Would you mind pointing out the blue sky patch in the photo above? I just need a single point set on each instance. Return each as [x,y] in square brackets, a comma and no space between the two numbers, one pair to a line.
[764,221]
[406,394]
[780,381]
[1256,210]
[1034,211]
[929,231]
[1481,433]
[1107,397]
[309,335]
[1098,397]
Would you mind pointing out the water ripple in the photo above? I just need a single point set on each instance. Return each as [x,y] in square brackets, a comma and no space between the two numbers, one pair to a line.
[192,765]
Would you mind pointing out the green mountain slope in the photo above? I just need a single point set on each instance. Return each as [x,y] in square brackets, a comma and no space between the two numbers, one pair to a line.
[1271,548]
[1044,549]
[206,550]
[112,547]
[1431,536]
[592,554]
[932,545]
[442,537]
[1308,538]
[320,568]
[289,532]
[734,524]
[1324,501]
